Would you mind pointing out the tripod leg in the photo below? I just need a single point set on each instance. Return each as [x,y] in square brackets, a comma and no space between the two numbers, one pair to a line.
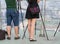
[56,29]
[22,20]
[24,32]
[45,31]
[22,23]
[44,26]
[19,7]
[22,16]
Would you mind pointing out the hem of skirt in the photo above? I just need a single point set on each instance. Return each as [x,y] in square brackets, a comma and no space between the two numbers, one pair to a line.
[32,18]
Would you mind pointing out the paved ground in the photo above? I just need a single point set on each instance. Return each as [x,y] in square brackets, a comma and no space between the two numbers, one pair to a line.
[40,40]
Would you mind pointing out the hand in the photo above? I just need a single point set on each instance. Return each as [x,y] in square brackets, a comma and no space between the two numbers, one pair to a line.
[38,1]
[19,0]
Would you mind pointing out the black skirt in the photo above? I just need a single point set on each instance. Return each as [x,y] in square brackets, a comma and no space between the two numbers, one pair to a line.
[29,15]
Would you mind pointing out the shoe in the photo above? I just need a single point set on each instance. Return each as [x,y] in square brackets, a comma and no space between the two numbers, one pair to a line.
[9,38]
[32,40]
[16,38]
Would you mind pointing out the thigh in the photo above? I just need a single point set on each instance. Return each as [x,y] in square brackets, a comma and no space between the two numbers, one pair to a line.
[29,21]
[33,21]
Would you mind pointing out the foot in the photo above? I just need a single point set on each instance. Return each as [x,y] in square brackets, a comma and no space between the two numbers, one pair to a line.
[16,38]
[32,39]
[9,38]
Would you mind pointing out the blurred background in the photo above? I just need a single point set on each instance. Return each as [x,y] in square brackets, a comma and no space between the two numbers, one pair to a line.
[50,10]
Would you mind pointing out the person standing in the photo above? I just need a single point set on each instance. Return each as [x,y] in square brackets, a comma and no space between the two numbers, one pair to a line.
[12,14]
[31,18]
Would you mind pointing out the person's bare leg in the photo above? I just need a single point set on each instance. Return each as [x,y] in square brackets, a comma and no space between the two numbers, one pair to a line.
[9,31]
[32,28]
[16,28]
[29,26]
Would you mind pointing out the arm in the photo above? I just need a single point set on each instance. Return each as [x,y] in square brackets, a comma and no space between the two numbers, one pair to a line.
[38,1]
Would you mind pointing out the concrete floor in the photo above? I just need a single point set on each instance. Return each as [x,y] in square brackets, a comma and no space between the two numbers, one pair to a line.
[40,40]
